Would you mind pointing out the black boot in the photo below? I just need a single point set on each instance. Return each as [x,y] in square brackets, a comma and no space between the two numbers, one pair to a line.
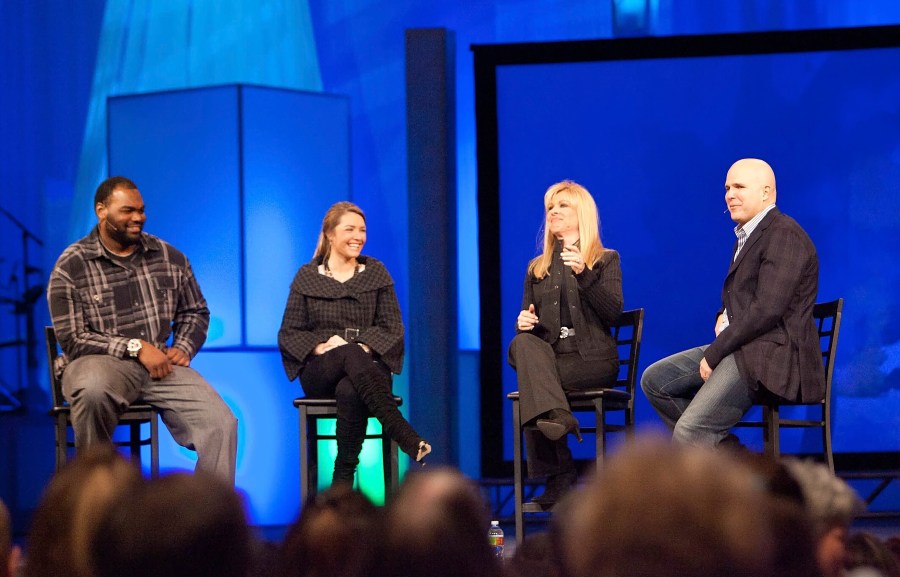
[557,486]
[375,392]
[350,437]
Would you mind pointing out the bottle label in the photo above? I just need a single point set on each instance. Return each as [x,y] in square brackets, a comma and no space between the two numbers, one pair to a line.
[496,542]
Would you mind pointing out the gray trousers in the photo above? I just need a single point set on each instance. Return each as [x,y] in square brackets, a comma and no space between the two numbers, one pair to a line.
[544,375]
[100,387]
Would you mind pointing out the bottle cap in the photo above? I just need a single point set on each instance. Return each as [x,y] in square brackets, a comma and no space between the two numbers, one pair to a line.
[495,523]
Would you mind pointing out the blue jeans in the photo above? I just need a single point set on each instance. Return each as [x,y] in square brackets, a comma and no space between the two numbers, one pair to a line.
[698,413]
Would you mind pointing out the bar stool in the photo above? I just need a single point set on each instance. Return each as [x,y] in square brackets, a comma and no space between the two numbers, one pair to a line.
[134,417]
[827,317]
[311,410]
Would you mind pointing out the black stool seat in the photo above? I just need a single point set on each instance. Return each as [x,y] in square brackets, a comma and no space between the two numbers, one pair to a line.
[309,402]
[611,395]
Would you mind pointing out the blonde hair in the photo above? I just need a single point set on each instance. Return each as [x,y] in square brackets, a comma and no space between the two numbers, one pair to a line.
[588,227]
[329,223]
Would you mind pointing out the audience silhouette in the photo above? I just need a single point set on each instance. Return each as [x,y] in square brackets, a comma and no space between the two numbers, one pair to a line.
[179,525]
[65,523]
[831,505]
[660,510]
[437,527]
[335,536]
[654,510]
[866,550]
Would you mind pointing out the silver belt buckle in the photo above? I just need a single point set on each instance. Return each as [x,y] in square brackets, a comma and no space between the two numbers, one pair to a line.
[564,332]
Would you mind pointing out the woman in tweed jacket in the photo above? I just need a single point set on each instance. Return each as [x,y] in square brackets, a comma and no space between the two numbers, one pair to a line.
[342,334]
[573,293]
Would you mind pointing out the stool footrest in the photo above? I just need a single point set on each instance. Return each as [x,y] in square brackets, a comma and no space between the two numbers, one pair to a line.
[312,402]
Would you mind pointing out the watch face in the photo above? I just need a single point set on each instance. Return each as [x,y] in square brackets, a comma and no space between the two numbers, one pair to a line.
[134,346]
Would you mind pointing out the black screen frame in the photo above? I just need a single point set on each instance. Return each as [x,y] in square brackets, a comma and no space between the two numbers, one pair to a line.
[487,59]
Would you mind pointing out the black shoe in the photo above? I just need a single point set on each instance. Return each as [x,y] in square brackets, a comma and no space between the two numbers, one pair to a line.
[558,424]
[557,486]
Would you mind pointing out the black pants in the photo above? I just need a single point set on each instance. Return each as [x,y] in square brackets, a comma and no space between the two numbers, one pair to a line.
[337,374]
[544,374]
[324,376]
[361,386]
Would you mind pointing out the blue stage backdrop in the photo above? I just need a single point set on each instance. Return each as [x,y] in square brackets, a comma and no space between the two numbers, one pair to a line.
[238,178]
[650,127]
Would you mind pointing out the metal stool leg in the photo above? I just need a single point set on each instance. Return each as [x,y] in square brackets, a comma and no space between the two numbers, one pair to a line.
[154,446]
[518,488]
[134,443]
[387,473]
[62,441]
[826,443]
[313,454]
[601,432]
[304,454]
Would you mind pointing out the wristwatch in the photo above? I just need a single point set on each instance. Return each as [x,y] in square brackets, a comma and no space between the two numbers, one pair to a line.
[134,348]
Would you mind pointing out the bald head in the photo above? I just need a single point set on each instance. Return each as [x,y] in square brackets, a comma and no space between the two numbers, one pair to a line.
[758,170]
[749,189]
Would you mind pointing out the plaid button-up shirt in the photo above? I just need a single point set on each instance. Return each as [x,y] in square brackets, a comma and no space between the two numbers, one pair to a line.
[98,302]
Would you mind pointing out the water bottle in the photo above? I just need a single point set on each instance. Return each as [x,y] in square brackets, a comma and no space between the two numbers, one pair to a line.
[495,538]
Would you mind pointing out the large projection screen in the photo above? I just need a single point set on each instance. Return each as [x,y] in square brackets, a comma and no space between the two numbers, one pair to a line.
[650,127]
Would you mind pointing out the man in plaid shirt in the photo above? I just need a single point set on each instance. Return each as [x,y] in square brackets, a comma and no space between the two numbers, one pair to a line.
[116,297]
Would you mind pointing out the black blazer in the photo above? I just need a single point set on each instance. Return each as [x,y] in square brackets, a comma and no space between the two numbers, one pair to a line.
[596,299]
[769,292]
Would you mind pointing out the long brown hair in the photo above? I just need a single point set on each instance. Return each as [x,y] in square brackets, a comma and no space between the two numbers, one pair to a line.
[588,227]
[329,223]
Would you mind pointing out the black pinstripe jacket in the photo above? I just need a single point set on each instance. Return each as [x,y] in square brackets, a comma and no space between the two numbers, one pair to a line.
[319,307]
[770,291]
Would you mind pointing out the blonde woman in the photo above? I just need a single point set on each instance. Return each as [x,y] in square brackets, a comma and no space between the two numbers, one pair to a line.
[573,292]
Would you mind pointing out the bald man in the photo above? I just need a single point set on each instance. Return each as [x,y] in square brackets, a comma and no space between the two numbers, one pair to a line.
[765,340]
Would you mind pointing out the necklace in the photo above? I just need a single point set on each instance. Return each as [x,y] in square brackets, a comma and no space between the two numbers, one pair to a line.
[330,274]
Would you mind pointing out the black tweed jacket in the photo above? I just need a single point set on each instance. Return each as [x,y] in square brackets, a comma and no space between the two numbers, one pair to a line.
[319,307]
